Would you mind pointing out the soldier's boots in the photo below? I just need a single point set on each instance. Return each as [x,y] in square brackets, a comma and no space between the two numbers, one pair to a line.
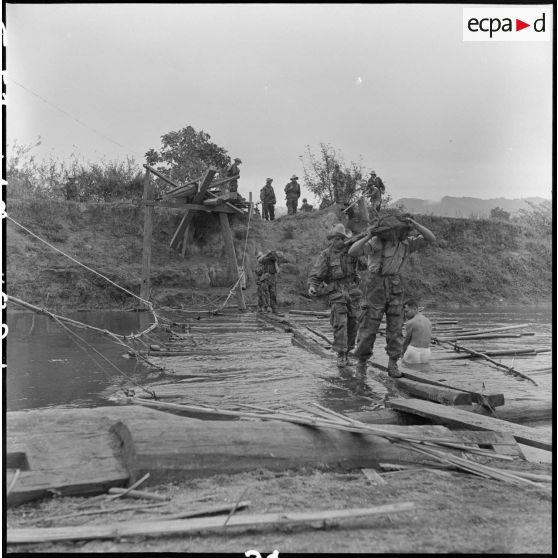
[342,360]
[393,369]
[360,369]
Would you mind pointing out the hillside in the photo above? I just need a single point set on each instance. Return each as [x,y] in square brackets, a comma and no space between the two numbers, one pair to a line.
[467,207]
[473,261]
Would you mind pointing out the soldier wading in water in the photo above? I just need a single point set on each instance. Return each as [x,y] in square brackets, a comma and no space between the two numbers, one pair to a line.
[336,268]
[387,247]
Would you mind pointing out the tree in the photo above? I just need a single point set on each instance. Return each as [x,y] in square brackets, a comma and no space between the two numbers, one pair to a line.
[537,217]
[318,170]
[499,213]
[186,154]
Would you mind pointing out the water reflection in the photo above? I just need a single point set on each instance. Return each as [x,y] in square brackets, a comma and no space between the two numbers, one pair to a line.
[243,364]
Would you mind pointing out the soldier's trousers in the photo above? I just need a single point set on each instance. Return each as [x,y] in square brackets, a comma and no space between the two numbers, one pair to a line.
[268,211]
[382,294]
[267,293]
[292,205]
[343,318]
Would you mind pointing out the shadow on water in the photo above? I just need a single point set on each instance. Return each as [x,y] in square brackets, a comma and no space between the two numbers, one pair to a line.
[244,364]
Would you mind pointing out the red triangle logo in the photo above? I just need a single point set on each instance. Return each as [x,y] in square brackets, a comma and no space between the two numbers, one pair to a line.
[519,25]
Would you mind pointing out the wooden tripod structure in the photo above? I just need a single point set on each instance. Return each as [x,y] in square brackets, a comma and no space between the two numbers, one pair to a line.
[201,200]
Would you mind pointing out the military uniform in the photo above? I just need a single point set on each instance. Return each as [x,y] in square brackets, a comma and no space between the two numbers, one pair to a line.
[306,207]
[383,293]
[267,197]
[338,181]
[266,273]
[337,269]
[233,171]
[292,193]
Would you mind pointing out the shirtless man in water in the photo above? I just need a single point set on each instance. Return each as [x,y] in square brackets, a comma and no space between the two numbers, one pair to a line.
[416,347]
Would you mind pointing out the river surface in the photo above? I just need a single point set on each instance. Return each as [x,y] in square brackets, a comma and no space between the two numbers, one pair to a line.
[48,367]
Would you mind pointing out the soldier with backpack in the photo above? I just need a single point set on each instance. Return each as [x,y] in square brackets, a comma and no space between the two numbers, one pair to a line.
[336,269]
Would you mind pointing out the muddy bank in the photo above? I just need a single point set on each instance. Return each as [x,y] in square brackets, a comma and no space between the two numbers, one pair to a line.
[473,262]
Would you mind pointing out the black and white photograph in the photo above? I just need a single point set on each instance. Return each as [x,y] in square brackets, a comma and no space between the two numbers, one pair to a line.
[278,278]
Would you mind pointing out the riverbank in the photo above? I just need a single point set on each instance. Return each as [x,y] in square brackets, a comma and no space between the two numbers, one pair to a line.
[473,262]
[454,513]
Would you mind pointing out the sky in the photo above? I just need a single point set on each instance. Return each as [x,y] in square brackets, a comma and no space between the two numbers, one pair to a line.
[391,85]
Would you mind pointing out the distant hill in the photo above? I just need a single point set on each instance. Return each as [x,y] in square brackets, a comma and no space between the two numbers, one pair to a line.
[450,206]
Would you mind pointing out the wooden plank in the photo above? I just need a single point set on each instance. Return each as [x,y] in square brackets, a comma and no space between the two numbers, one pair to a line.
[203,525]
[444,395]
[204,208]
[198,198]
[457,417]
[494,399]
[231,255]
[145,289]
[500,442]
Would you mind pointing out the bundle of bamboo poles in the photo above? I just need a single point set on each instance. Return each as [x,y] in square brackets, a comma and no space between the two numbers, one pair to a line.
[321,417]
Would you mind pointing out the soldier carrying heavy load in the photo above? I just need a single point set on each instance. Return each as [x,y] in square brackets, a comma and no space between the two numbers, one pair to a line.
[387,247]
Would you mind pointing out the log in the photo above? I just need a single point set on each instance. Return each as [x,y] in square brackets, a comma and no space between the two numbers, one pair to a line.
[457,417]
[444,395]
[213,447]
[70,452]
[200,525]
[492,399]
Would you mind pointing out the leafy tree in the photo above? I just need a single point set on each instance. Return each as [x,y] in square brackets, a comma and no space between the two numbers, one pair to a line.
[318,170]
[186,154]
[537,217]
[499,213]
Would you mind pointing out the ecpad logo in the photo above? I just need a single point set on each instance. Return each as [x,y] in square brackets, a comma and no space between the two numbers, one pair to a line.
[507,23]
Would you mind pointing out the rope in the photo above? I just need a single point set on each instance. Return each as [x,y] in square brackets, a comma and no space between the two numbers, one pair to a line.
[83,348]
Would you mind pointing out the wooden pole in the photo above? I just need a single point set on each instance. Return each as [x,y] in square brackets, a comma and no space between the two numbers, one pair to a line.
[145,289]
[231,255]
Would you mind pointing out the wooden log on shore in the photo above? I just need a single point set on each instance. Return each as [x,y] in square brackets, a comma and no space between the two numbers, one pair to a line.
[444,395]
[465,419]
[213,447]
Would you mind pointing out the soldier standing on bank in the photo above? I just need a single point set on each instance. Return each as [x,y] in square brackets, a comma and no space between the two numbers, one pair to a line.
[387,247]
[338,182]
[267,197]
[234,171]
[292,193]
[336,268]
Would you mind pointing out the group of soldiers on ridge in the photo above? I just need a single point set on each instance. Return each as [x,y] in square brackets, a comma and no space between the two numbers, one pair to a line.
[361,276]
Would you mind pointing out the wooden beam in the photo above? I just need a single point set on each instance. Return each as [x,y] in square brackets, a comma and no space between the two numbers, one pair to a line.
[163,177]
[145,289]
[231,255]
[444,395]
[201,525]
[457,417]
[184,225]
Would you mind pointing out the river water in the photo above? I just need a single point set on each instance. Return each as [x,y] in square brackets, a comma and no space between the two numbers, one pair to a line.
[47,367]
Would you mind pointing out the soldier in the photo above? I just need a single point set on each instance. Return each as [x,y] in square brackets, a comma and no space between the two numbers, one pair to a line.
[375,182]
[292,193]
[387,247]
[336,268]
[267,197]
[233,170]
[338,181]
[306,207]
[266,273]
